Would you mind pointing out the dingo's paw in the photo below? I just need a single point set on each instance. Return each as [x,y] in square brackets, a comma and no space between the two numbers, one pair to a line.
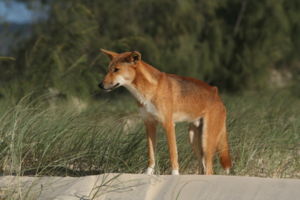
[175,172]
[149,171]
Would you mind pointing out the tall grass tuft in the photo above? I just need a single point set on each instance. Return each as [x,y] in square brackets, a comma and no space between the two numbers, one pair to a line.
[43,136]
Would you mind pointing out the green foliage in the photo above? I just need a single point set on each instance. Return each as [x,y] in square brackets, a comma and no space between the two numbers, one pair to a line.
[231,44]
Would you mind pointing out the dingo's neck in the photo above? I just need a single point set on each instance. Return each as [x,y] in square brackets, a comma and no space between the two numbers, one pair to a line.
[146,80]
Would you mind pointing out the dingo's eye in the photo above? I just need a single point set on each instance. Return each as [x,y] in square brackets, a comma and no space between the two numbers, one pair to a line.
[116,69]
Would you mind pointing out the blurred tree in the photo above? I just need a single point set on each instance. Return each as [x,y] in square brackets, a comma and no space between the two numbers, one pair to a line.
[230,43]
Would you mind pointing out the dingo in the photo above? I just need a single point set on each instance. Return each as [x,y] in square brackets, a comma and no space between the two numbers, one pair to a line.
[168,98]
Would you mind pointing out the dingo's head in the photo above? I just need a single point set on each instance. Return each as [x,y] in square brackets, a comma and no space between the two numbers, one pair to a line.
[121,69]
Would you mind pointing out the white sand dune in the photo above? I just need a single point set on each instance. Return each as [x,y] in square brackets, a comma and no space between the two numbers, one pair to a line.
[144,187]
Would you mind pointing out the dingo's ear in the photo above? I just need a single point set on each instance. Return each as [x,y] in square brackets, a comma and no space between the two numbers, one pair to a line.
[110,54]
[135,56]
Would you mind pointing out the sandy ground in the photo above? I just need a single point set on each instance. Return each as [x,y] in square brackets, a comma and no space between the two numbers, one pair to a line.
[140,187]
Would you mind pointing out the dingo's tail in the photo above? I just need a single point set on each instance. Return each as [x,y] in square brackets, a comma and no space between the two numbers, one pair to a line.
[224,154]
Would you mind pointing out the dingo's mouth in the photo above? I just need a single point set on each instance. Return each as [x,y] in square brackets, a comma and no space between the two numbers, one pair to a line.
[112,88]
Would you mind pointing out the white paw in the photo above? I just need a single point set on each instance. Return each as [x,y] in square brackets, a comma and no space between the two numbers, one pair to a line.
[149,171]
[227,171]
[175,172]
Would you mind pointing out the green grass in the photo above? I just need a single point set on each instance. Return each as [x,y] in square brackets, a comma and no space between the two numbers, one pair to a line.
[44,136]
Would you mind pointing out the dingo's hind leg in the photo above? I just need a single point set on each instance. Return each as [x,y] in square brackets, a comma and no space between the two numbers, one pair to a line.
[214,138]
[213,124]
[195,139]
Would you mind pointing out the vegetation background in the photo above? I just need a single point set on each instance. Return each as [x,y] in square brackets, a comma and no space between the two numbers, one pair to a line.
[234,44]
[55,121]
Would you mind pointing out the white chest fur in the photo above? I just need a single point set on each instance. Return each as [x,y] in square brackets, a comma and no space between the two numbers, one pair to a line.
[148,107]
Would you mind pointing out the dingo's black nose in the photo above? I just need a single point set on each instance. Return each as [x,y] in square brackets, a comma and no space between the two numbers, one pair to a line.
[101,85]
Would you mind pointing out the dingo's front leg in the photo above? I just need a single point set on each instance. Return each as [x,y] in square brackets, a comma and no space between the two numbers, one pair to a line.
[151,140]
[171,138]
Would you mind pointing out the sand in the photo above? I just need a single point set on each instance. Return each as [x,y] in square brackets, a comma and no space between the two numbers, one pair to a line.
[144,187]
